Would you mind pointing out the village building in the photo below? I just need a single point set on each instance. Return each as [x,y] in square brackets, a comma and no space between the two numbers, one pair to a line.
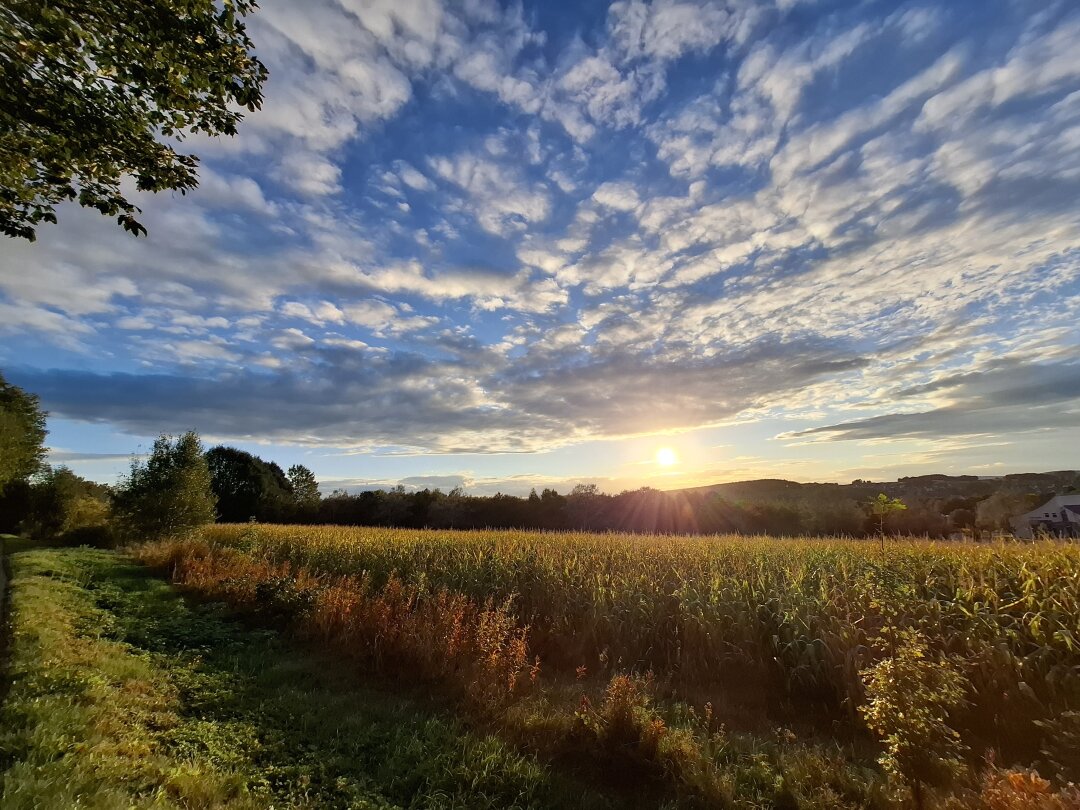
[1058,517]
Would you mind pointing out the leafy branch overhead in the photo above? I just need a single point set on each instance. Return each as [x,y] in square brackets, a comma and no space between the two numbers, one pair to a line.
[93,91]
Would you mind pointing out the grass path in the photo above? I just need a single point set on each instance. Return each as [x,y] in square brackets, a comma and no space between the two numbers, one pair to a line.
[124,694]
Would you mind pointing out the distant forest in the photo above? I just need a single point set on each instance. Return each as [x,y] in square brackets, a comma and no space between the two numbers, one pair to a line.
[247,487]
[938,506]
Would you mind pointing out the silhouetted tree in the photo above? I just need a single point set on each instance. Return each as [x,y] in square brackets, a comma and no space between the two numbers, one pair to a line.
[247,487]
[962,518]
[14,505]
[996,511]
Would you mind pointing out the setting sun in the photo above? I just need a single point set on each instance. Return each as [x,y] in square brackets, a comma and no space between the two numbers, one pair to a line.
[666,457]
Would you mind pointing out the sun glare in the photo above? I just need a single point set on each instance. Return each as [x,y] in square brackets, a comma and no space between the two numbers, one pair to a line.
[666,457]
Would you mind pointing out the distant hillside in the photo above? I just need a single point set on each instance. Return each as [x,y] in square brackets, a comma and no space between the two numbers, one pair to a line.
[920,487]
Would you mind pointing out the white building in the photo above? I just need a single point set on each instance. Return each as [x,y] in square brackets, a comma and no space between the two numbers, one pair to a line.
[1059,517]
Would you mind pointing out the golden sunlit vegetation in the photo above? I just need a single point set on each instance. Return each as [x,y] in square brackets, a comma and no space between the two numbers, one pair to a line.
[660,651]
[124,695]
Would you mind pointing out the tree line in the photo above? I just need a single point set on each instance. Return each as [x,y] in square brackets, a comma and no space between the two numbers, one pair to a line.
[650,510]
[180,484]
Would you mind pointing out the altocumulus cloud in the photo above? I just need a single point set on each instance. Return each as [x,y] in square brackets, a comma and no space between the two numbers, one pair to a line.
[489,227]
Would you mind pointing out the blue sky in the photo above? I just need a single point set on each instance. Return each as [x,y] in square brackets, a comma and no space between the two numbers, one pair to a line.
[520,245]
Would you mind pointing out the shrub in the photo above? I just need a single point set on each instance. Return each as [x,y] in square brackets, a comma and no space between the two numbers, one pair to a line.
[65,507]
[625,721]
[1024,790]
[169,493]
[910,696]
[398,628]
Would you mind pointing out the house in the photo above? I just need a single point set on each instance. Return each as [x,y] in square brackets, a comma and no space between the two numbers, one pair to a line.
[1058,517]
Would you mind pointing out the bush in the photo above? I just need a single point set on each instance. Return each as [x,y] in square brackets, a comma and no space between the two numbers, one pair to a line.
[169,493]
[910,697]
[1024,790]
[100,536]
[625,721]
[67,508]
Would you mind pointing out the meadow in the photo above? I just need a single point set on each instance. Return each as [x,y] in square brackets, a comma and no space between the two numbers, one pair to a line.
[738,671]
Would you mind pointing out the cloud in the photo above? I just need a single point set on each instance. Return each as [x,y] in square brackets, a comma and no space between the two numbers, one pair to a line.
[230,192]
[365,401]
[65,286]
[310,174]
[321,313]
[488,290]
[1016,398]
[58,456]
[15,318]
[446,482]
[450,229]
[414,179]
[293,339]
[666,30]
[498,196]
[620,196]
[323,394]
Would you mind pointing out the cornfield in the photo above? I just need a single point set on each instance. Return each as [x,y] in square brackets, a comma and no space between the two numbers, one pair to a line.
[804,617]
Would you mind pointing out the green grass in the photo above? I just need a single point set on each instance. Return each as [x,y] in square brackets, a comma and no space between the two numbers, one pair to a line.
[123,694]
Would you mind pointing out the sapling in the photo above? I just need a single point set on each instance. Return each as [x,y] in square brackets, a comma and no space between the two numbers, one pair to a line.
[910,696]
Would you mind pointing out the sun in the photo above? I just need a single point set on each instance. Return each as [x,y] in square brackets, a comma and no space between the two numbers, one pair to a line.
[666,457]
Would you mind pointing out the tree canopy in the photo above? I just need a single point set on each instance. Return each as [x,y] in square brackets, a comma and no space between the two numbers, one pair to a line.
[305,487]
[247,487]
[169,492]
[22,434]
[997,511]
[92,91]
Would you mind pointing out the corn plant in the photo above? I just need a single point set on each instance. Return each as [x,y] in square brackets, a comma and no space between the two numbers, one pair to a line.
[803,616]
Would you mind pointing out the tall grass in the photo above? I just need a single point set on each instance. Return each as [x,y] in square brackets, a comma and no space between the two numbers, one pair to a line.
[434,633]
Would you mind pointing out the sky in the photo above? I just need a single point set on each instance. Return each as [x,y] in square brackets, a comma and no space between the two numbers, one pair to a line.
[501,246]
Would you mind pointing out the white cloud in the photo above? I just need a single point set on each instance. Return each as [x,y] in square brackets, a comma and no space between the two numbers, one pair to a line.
[192,352]
[666,29]
[487,290]
[292,339]
[620,196]
[232,192]
[502,201]
[413,178]
[16,318]
[310,174]
[62,284]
